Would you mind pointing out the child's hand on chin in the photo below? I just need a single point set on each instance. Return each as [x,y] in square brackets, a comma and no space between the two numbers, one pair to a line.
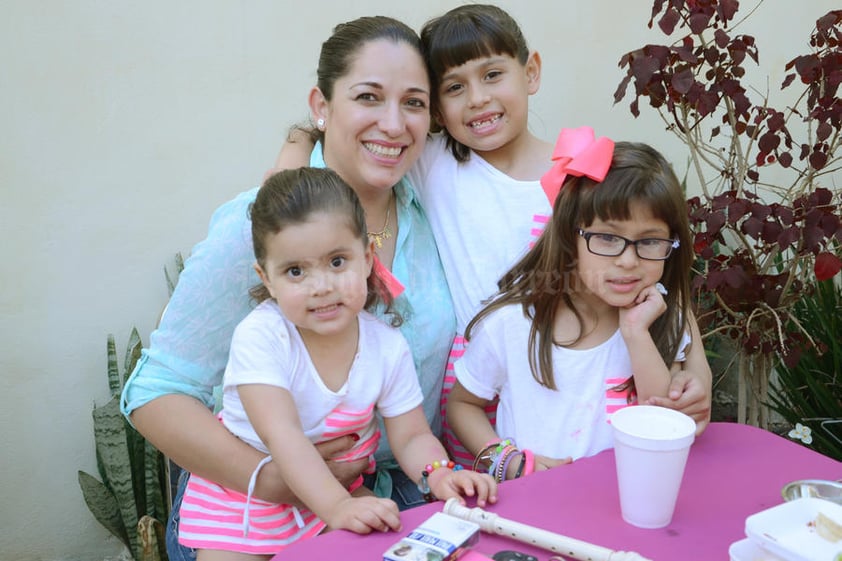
[647,307]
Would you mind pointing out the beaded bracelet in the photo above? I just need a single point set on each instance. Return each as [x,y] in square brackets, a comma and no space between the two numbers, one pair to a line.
[502,455]
[488,458]
[495,457]
[490,452]
[424,485]
[503,467]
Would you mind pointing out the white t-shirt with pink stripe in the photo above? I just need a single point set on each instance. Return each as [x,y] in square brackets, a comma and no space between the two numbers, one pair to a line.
[267,349]
[570,421]
[482,219]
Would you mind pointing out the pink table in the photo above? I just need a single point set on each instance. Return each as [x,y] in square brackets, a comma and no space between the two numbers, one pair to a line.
[733,471]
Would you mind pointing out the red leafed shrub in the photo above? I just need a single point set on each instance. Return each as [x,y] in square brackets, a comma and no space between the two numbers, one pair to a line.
[767,223]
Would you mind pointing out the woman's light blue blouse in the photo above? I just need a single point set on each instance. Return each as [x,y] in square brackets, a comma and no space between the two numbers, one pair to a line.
[188,351]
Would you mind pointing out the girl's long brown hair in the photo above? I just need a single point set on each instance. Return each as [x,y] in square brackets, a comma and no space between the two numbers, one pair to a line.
[545,277]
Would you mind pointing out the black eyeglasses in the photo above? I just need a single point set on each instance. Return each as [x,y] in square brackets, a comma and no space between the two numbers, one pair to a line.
[610,245]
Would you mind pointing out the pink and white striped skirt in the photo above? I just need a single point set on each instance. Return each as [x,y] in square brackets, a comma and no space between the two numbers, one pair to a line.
[213,517]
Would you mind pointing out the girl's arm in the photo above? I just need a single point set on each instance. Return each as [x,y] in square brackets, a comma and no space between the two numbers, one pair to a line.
[691,387]
[466,416]
[415,447]
[652,375]
[273,414]
[295,152]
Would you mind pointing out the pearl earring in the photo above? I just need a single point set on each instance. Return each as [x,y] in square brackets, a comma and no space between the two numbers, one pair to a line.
[320,124]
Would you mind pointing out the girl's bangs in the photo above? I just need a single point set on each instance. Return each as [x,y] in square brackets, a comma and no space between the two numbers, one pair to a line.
[613,202]
[459,44]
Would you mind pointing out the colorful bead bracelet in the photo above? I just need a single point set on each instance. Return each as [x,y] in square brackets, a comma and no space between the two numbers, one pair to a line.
[424,485]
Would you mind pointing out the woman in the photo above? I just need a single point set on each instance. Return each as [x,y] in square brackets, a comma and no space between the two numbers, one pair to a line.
[372,106]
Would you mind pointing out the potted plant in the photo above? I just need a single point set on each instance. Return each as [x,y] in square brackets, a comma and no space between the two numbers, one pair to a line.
[133,495]
[129,497]
[767,220]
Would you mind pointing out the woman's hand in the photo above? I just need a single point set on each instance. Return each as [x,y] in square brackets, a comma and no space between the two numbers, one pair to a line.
[691,388]
[346,472]
[446,483]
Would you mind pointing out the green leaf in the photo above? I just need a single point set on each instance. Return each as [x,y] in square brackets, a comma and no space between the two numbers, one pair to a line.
[136,445]
[154,481]
[133,351]
[113,452]
[103,505]
[810,392]
[114,383]
[172,280]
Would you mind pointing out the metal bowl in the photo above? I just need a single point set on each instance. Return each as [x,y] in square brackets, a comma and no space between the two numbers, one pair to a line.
[820,488]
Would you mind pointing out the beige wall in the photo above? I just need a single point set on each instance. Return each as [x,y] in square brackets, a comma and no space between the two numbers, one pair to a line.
[124,124]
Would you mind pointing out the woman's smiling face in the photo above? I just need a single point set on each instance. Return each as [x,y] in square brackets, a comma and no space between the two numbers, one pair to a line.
[377,122]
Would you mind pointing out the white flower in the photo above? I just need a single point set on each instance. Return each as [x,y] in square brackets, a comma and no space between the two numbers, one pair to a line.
[802,433]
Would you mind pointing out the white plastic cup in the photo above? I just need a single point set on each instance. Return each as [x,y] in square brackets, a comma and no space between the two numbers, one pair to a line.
[651,445]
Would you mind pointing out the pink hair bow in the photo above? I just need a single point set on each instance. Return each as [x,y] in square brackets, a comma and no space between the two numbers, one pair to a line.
[577,153]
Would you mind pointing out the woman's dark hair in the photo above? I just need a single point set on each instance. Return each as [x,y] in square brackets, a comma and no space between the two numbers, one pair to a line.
[290,197]
[467,33]
[338,52]
[545,277]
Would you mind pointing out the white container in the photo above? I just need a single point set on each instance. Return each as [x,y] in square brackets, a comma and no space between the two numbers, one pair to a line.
[747,550]
[651,445]
[789,530]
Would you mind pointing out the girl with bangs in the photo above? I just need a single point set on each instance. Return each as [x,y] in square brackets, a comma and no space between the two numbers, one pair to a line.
[479,178]
[595,317]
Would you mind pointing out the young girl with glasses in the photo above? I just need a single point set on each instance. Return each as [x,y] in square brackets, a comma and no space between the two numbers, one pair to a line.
[595,317]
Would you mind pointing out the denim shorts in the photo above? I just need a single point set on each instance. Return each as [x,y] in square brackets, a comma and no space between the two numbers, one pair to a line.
[176,551]
[405,491]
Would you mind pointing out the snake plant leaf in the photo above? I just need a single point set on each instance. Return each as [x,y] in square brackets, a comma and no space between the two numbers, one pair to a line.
[155,481]
[136,447]
[103,505]
[128,500]
[172,280]
[150,532]
[115,385]
[110,437]
[133,350]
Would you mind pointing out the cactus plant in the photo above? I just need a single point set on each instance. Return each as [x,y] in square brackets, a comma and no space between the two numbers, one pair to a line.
[128,499]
